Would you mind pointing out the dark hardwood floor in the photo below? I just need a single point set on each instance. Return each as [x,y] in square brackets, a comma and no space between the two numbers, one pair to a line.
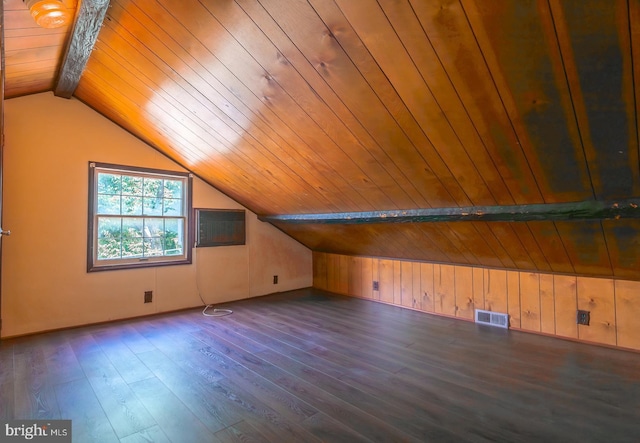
[308,366]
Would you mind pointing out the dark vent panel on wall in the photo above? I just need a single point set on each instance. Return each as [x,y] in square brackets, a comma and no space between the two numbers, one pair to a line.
[220,227]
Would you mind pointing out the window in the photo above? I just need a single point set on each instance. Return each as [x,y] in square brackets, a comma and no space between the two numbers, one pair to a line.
[137,217]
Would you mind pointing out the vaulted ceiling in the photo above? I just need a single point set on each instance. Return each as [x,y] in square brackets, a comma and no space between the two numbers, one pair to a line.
[331,106]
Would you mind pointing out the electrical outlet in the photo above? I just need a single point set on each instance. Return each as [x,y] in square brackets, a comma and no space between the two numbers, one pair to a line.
[148,296]
[275,279]
[376,286]
[584,317]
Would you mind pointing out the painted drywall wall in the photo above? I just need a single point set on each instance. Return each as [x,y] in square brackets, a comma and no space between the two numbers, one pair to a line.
[536,302]
[49,142]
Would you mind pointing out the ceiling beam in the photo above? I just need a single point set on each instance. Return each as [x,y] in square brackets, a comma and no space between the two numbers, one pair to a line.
[88,21]
[585,210]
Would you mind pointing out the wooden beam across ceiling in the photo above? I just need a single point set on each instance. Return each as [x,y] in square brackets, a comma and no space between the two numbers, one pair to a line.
[88,22]
[572,211]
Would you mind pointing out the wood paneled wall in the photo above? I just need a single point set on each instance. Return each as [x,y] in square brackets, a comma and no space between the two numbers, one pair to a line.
[536,302]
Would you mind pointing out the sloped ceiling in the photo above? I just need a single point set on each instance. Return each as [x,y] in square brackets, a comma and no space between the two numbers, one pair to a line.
[293,106]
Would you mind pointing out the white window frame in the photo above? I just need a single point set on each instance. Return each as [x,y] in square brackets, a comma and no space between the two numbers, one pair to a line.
[96,264]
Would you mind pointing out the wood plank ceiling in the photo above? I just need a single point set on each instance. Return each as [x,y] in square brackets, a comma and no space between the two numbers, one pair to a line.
[308,106]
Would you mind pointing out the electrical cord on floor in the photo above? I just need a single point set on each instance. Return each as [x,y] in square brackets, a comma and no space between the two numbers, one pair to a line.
[216,312]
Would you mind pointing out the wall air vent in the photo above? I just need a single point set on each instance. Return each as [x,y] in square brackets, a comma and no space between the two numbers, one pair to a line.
[496,319]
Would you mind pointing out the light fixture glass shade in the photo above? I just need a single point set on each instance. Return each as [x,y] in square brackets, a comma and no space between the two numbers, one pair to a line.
[48,13]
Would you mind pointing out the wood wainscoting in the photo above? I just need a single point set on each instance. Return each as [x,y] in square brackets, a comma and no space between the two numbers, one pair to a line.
[536,302]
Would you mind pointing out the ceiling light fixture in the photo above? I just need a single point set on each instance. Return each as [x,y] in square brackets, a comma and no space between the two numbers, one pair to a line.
[48,13]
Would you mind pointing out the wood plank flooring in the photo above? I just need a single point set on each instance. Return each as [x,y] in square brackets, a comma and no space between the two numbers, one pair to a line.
[307,366]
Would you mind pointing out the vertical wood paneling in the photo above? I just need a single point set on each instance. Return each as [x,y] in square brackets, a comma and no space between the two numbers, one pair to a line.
[495,292]
[320,270]
[547,306]
[386,280]
[596,295]
[478,288]
[406,289]
[375,274]
[343,274]
[333,272]
[339,273]
[397,282]
[355,276]
[332,278]
[444,288]
[417,285]
[530,301]
[628,313]
[535,302]
[366,284]
[566,304]
[513,298]
[427,294]
[464,292]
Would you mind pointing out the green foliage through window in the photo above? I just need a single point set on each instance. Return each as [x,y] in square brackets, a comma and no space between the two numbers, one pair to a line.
[138,216]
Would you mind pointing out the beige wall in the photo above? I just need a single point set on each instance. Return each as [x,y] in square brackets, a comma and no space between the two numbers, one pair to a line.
[48,144]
